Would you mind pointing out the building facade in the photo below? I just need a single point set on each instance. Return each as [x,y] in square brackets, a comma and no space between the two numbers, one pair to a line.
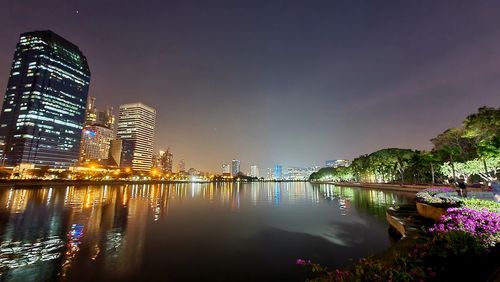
[44,106]
[226,170]
[136,123]
[254,171]
[115,152]
[94,116]
[121,153]
[97,134]
[235,167]
[95,145]
[278,172]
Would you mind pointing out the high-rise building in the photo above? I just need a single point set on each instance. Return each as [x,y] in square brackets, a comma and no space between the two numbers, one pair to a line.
[44,105]
[254,171]
[167,161]
[235,167]
[278,172]
[121,153]
[94,116]
[226,170]
[90,115]
[115,152]
[97,133]
[269,175]
[164,160]
[181,166]
[95,143]
[136,122]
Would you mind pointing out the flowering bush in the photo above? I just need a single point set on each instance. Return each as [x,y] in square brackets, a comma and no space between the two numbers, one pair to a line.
[482,224]
[314,270]
[403,267]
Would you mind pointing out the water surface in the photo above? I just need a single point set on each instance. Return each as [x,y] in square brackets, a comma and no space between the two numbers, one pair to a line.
[188,232]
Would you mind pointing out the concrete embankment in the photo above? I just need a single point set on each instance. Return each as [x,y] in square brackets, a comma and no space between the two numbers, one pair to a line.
[383,186]
[51,183]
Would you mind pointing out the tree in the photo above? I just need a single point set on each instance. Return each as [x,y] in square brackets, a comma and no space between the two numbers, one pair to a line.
[431,159]
[484,128]
[472,167]
[451,146]
[483,125]
[403,158]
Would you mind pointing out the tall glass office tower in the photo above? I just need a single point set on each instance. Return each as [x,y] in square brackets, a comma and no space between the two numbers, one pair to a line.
[44,106]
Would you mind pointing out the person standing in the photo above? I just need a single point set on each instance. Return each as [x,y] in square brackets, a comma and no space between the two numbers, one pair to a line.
[462,187]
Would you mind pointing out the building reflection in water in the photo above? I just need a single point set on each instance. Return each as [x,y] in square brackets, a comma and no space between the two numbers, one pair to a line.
[50,230]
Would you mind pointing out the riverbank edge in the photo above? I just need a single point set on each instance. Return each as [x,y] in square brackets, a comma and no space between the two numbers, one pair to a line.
[382,186]
[39,183]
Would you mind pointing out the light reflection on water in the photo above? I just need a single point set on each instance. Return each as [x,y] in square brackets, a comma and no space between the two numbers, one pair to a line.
[187,231]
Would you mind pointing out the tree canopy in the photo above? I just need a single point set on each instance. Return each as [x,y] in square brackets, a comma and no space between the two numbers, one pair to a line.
[472,149]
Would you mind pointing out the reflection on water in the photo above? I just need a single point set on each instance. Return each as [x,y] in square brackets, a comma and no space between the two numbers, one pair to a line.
[179,231]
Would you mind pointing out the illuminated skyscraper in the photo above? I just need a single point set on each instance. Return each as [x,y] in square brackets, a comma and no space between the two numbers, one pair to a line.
[97,133]
[44,105]
[278,172]
[167,161]
[235,167]
[136,122]
[93,116]
[269,175]
[95,143]
[254,171]
[226,170]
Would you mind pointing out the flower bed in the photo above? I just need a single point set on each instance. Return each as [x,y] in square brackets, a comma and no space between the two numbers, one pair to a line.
[483,224]
[433,197]
[465,237]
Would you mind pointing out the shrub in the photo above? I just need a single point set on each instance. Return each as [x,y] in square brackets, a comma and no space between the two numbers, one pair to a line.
[482,224]
[478,204]
[454,243]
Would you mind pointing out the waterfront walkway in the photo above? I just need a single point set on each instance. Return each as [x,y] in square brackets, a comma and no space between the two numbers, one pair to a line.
[381,186]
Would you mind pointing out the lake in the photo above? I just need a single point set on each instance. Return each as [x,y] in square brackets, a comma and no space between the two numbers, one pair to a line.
[188,232]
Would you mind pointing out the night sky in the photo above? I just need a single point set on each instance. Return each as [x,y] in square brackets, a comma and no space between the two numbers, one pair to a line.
[290,82]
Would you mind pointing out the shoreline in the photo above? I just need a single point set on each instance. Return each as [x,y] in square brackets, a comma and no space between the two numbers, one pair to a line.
[40,183]
[379,186]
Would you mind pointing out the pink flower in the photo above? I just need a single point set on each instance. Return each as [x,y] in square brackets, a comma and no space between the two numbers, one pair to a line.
[300,262]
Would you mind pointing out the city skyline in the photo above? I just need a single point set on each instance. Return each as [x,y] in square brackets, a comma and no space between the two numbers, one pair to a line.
[220,95]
